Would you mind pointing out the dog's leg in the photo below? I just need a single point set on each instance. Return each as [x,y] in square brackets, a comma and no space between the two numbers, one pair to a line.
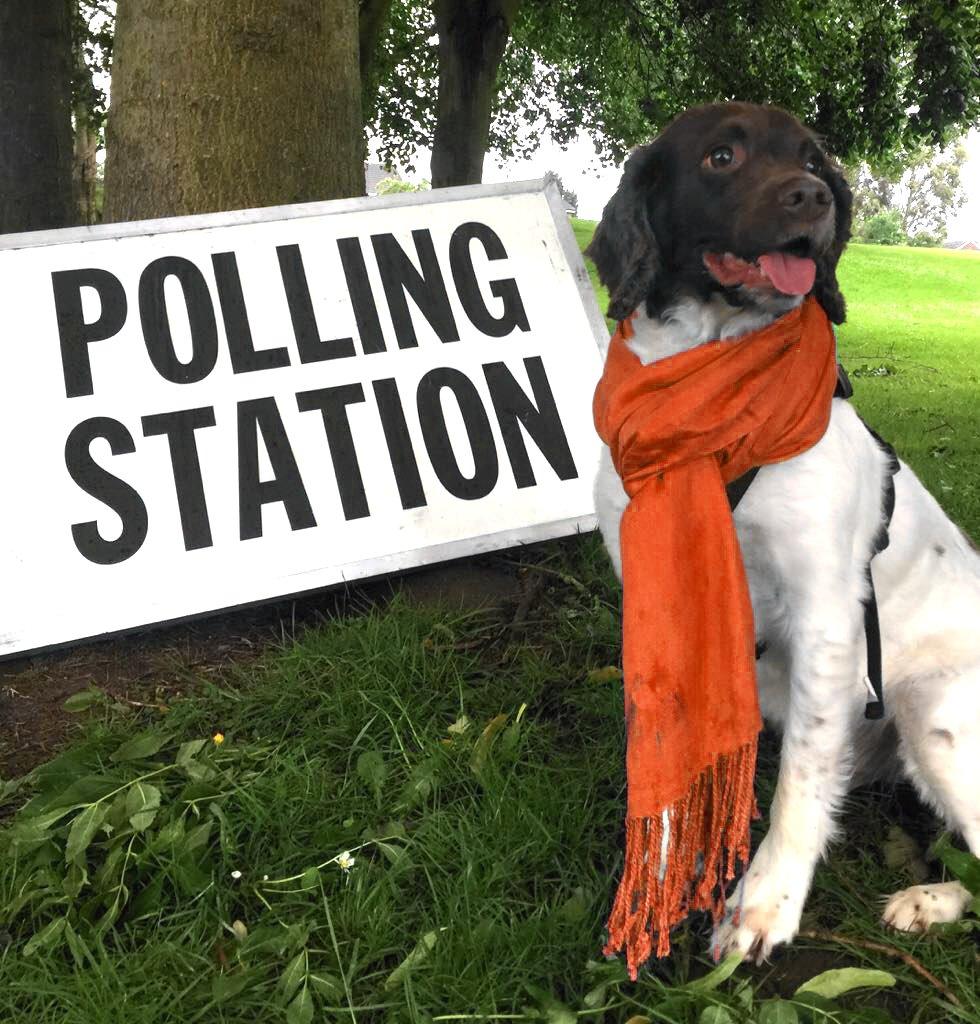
[938,720]
[824,701]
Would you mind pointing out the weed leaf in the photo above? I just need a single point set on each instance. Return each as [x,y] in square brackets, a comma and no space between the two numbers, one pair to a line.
[147,903]
[186,752]
[83,830]
[328,985]
[778,1011]
[146,744]
[197,837]
[481,751]
[84,699]
[371,769]
[834,983]
[964,866]
[720,974]
[85,790]
[226,986]
[552,1010]
[418,955]
[46,937]
[300,1010]
[142,804]
[294,975]
[595,996]
[716,1015]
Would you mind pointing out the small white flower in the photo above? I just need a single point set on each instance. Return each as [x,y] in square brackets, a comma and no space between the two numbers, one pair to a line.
[236,875]
[345,861]
[265,878]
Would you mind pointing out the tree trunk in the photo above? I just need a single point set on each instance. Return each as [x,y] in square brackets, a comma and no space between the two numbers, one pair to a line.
[473,35]
[372,16]
[231,104]
[85,167]
[35,117]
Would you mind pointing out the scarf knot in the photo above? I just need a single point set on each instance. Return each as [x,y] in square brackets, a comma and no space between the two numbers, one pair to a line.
[679,430]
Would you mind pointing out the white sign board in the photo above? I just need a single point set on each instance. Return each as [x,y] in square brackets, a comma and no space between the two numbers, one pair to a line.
[206,412]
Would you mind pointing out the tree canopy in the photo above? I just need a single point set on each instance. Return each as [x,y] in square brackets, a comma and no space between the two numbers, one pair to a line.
[874,79]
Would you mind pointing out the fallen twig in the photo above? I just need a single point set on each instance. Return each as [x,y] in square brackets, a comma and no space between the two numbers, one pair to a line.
[879,947]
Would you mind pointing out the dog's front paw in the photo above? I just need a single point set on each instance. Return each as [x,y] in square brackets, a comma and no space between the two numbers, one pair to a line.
[763,911]
[917,908]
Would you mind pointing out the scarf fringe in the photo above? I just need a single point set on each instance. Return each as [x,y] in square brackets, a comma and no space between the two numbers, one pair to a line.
[655,893]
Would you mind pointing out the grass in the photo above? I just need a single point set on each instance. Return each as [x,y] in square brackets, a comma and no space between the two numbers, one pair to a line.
[473,767]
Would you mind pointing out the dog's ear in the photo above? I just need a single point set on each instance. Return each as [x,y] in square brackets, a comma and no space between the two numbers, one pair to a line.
[624,248]
[826,289]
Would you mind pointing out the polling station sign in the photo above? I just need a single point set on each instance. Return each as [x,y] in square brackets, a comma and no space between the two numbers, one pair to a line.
[207,412]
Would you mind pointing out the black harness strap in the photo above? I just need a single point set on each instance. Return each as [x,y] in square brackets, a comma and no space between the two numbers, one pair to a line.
[875,708]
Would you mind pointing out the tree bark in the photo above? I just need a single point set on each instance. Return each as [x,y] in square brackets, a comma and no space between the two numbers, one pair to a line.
[85,167]
[473,35]
[35,117]
[372,16]
[231,104]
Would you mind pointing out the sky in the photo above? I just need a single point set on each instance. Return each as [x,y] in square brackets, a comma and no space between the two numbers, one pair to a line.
[594,184]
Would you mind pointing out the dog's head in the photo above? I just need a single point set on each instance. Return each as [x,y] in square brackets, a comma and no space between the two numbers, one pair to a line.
[730,197]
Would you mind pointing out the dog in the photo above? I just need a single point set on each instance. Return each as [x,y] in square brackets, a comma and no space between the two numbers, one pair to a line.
[720,225]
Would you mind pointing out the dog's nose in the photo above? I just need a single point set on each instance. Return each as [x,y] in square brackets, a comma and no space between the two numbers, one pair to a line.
[805,196]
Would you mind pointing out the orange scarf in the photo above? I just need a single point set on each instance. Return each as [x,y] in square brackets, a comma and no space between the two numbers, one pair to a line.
[679,430]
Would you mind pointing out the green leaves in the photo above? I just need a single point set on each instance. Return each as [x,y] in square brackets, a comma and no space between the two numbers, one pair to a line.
[778,1011]
[46,937]
[83,830]
[832,984]
[963,865]
[142,804]
[300,1010]
[418,956]
[716,1015]
[294,975]
[85,699]
[720,974]
[295,989]
[144,745]
[372,771]
[127,838]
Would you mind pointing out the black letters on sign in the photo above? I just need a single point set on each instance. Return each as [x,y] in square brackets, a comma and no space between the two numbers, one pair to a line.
[109,489]
[156,325]
[191,503]
[361,296]
[260,415]
[461,262]
[435,431]
[541,421]
[74,332]
[332,404]
[399,442]
[399,275]
[311,348]
[244,356]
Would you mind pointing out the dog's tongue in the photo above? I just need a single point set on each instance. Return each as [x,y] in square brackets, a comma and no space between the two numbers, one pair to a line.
[792,275]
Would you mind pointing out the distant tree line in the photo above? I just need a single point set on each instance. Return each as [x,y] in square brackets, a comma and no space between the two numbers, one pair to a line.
[908,200]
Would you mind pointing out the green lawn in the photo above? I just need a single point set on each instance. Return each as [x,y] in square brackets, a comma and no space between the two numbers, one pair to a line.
[472,766]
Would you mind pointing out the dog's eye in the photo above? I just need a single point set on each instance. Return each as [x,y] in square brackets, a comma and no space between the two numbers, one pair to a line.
[812,165]
[724,158]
